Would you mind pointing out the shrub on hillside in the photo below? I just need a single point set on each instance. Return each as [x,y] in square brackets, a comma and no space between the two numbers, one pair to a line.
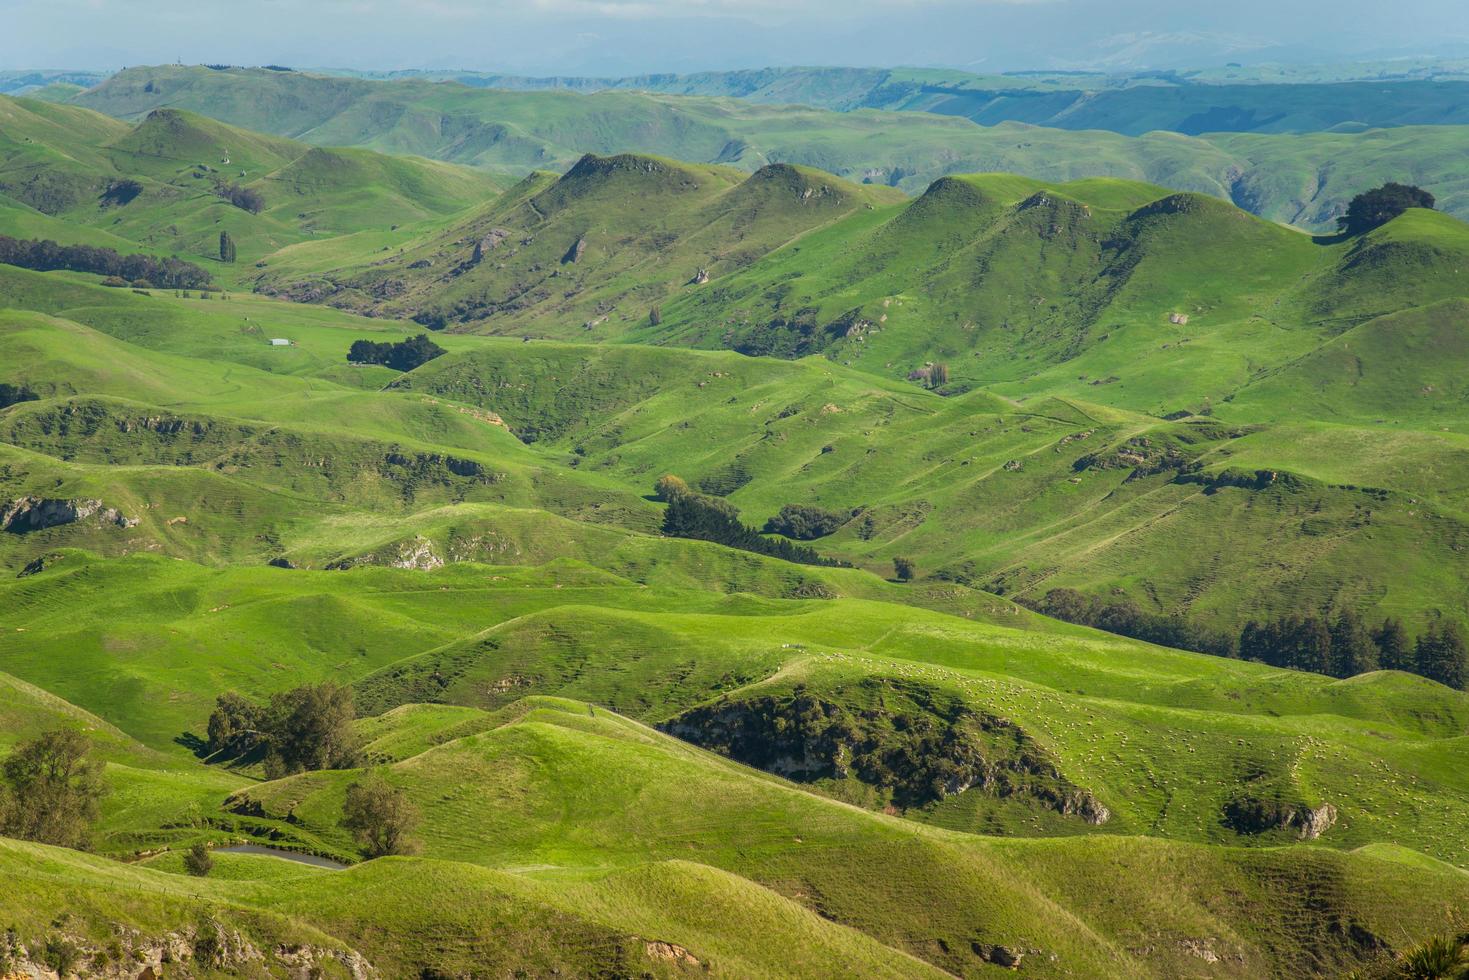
[1374,208]
[404,355]
[15,394]
[198,861]
[380,817]
[244,198]
[806,523]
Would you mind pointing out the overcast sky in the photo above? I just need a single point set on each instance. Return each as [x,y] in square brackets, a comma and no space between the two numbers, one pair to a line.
[635,36]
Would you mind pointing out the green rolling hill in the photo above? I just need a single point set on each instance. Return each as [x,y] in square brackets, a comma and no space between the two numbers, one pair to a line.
[639,754]
[81,177]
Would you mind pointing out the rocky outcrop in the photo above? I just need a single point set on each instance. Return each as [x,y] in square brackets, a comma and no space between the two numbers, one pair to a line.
[1250,815]
[417,554]
[575,252]
[26,514]
[657,949]
[700,277]
[210,946]
[485,245]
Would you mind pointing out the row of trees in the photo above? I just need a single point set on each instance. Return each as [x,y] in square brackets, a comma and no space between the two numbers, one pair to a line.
[1345,647]
[1125,618]
[47,256]
[1340,646]
[405,355]
[704,518]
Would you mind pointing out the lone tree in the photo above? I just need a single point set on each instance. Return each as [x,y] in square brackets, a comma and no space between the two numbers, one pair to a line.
[52,790]
[380,817]
[1374,208]
[226,247]
[198,861]
[903,568]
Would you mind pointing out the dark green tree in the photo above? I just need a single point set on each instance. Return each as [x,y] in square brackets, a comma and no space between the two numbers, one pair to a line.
[1394,650]
[904,569]
[54,788]
[1374,208]
[1440,655]
[1352,650]
[226,247]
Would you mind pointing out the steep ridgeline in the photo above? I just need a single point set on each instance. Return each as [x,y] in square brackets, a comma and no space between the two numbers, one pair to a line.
[1108,290]
[175,180]
[589,255]
[1304,178]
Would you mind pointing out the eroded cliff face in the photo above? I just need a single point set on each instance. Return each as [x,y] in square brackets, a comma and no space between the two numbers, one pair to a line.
[26,514]
[1249,815]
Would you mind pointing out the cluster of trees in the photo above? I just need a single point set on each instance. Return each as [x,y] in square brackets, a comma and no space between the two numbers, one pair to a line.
[1374,208]
[1343,646]
[806,523]
[51,790]
[405,355]
[47,256]
[704,518]
[308,727]
[226,247]
[244,198]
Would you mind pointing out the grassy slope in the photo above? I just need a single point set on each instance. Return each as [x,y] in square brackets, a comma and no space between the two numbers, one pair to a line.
[823,434]
[60,160]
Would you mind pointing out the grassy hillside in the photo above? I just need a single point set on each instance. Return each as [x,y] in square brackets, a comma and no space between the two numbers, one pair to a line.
[70,164]
[1303,178]
[642,755]
[592,252]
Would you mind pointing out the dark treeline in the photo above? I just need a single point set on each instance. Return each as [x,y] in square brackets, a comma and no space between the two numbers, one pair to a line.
[47,256]
[402,356]
[1343,646]
[704,518]
[1125,618]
